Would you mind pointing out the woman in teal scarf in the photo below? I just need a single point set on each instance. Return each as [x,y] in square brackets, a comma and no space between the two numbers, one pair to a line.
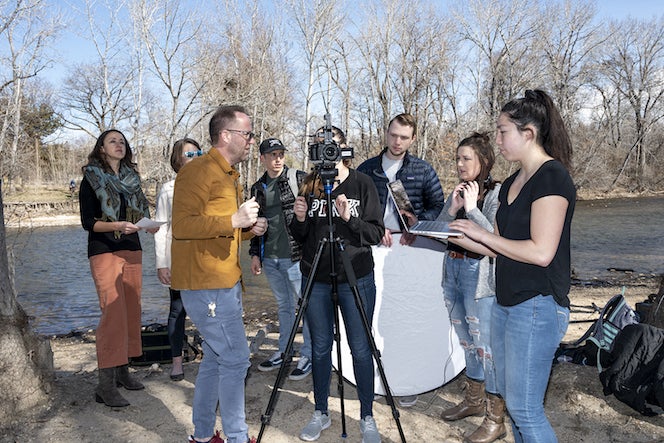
[111,202]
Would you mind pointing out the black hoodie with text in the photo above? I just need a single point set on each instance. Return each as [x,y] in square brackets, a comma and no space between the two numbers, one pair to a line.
[363,230]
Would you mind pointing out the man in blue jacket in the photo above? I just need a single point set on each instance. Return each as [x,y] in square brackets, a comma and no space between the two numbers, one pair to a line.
[418,177]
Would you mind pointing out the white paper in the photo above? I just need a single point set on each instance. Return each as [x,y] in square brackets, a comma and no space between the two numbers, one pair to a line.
[146,223]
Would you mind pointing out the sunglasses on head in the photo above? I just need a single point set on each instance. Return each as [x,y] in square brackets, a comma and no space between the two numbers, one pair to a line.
[191,154]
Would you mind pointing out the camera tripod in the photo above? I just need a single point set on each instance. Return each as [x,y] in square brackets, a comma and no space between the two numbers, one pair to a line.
[328,175]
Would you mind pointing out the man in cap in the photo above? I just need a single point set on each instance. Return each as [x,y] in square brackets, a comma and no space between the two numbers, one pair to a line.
[277,253]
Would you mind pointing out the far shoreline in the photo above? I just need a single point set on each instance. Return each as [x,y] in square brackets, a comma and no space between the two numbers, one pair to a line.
[48,219]
[43,221]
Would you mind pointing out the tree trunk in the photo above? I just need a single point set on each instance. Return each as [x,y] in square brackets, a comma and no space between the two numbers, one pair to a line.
[26,361]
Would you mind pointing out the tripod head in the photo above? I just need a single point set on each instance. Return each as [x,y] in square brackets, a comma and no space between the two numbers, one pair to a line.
[327,176]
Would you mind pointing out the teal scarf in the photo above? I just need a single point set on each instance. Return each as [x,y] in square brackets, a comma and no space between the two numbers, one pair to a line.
[108,188]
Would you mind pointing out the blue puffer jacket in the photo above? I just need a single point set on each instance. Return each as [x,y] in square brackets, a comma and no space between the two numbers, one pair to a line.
[419,179]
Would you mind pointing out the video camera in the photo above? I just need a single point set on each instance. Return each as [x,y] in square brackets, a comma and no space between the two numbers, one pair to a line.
[324,150]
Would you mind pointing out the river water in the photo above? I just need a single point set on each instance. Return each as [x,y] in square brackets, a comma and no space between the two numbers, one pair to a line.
[54,286]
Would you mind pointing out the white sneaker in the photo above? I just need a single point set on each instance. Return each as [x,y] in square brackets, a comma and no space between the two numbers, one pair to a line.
[369,430]
[407,401]
[318,423]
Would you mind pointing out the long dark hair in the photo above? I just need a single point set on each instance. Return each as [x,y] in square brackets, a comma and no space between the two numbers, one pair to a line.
[481,144]
[97,157]
[536,108]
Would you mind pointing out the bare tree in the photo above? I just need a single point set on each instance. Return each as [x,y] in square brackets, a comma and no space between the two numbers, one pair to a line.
[27,32]
[26,361]
[633,84]
[160,69]
[567,43]
[97,94]
[247,65]
[317,23]
[98,98]
[168,33]
[374,43]
[500,33]
[406,65]
[421,53]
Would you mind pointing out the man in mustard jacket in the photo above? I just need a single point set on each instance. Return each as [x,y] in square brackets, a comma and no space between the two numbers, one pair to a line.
[209,223]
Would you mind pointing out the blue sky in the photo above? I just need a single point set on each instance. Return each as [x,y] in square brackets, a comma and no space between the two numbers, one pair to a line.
[635,8]
[72,47]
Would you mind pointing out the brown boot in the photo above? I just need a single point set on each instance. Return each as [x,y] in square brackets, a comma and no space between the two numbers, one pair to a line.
[472,404]
[124,379]
[107,392]
[493,426]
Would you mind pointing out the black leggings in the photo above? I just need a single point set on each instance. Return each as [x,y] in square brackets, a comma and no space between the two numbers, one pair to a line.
[176,318]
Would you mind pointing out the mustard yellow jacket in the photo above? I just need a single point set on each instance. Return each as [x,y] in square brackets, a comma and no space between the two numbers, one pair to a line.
[206,249]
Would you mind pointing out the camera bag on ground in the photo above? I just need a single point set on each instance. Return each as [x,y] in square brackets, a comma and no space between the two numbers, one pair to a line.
[613,317]
[157,348]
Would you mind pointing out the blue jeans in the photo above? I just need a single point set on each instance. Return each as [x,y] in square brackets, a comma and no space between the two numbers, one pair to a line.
[471,318]
[285,281]
[320,315]
[176,317]
[217,313]
[525,338]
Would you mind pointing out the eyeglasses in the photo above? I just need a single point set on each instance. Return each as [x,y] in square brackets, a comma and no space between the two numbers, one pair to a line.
[191,154]
[248,135]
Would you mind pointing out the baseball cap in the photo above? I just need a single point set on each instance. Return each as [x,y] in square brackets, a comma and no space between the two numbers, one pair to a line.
[271,144]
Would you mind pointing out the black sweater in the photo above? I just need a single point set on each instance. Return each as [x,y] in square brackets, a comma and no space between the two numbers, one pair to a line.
[363,229]
[102,242]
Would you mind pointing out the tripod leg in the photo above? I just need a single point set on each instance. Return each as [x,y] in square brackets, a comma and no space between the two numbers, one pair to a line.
[352,281]
[288,353]
[340,376]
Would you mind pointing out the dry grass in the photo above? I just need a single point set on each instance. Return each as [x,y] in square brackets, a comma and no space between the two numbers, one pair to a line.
[37,193]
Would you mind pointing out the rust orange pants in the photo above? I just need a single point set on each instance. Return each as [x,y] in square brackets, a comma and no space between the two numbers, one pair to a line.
[118,278]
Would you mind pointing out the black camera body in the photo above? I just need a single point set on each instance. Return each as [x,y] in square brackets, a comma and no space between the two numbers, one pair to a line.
[325,150]
[329,152]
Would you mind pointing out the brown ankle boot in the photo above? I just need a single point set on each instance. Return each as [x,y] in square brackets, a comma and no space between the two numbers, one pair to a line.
[124,379]
[472,404]
[493,426]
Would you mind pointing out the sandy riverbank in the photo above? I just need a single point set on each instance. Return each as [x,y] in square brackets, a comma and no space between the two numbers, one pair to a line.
[575,404]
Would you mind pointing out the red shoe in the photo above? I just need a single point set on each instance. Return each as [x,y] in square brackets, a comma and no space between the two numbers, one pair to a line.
[215,439]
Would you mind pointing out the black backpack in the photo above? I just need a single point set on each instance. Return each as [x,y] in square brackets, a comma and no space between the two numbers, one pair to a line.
[613,317]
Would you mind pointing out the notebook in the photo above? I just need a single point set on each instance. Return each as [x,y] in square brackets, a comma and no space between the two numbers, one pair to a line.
[429,228]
